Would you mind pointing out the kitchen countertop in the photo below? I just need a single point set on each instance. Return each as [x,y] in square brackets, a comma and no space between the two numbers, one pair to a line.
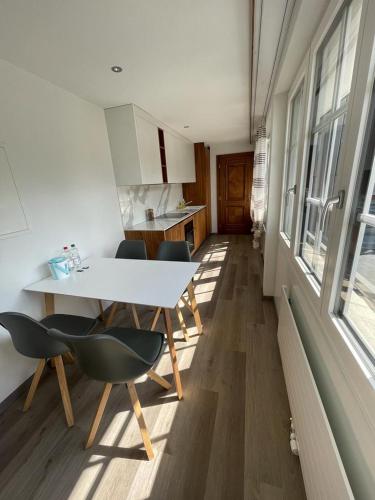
[165,224]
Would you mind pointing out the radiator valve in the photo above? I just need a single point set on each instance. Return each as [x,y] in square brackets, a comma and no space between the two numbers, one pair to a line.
[293,439]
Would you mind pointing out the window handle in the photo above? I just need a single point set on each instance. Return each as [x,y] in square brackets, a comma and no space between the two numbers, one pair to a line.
[368,219]
[316,202]
[292,189]
[337,201]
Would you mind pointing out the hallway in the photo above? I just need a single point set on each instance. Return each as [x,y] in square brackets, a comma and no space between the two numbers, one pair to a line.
[228,438]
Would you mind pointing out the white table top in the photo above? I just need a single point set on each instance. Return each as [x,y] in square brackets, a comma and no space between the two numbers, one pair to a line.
[146,282]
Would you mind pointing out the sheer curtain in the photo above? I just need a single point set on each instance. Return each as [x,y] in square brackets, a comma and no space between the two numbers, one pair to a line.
[258,193]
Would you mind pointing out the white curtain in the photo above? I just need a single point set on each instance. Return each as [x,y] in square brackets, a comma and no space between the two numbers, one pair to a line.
[258,194]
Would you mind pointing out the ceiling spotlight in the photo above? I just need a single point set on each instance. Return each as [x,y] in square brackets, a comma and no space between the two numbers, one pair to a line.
[116,69]
[186,126]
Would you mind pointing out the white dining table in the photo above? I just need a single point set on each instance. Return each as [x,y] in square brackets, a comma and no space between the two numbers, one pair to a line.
[140,282]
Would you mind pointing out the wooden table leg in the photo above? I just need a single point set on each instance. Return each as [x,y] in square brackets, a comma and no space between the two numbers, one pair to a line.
[155,319]
[135,316]
[49,300]
[172,352]
[194,307]
[112,313]
[182,323]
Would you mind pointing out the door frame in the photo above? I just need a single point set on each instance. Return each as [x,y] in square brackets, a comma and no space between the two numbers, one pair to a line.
[244,154]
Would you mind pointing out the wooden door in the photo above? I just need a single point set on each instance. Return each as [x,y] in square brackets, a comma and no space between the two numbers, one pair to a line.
[234,180]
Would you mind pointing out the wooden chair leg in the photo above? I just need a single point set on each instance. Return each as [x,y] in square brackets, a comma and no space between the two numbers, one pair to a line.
[68,358]
[60,371]
[194,306]
[172,352]
[112,313]
[135,316]
[182,323]
[141,421]
[186,304]
[155,318]
[159,380]
[101,315]
[34,384]
[98,415]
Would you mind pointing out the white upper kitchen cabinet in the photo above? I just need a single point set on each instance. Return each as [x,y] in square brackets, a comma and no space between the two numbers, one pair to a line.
[133,137]
[180,158]
[136,150]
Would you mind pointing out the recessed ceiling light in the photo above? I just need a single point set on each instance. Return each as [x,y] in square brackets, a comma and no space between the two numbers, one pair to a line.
[186,126]
[116,69]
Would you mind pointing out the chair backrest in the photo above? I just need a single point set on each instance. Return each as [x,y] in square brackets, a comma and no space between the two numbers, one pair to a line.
[30,337]
[132,249]
[174,250]
[103,357]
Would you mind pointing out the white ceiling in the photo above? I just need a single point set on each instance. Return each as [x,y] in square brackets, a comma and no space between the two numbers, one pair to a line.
[185,61]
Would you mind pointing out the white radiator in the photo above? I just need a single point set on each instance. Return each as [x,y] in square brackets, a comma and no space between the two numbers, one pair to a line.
[323,472]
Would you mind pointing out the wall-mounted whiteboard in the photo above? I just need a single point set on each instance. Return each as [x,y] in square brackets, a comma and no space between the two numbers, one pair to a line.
[12,215]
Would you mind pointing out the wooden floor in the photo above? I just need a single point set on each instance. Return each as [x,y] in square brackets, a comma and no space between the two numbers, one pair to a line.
[228,438]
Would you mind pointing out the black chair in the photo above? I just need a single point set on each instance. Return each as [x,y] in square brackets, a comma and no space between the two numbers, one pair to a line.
[128,249]
[132,249]
[179,251]
[174,251]
[117,356]
[30,338]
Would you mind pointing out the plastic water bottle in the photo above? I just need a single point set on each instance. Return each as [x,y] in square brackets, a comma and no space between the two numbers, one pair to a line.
[76,258]
[67,254]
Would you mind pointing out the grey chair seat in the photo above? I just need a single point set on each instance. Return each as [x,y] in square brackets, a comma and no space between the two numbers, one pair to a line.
[145,344]
[72,325]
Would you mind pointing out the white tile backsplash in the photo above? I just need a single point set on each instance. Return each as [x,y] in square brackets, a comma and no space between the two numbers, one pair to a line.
[134,200]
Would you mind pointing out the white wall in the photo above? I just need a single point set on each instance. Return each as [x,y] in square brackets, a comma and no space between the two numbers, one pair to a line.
[222,148]
[134,200]
[276,124]
[58,149]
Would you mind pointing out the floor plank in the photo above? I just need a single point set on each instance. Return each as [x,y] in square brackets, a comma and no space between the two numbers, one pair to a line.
[227,439]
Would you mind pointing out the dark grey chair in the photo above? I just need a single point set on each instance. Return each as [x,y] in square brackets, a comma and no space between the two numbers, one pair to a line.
[179,251]
[30,338]
[132,249]
[117,356]
[174,251]
[127,249]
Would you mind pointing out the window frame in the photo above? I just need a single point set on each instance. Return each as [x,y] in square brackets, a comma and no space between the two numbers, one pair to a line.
[313,288]
[327,27]
[352,161]
[357,372]
[300,83]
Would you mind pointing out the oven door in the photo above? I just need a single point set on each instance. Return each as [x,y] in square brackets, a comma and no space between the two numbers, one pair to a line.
[189,235]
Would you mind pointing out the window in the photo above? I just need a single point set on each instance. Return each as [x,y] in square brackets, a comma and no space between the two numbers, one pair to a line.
[333,75]
[356,299]
[291,162]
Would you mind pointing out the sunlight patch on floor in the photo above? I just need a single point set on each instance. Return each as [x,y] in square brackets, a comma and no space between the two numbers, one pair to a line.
[210,273]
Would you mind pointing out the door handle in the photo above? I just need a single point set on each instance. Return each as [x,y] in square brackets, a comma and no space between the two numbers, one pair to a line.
[292,189]
[337,201]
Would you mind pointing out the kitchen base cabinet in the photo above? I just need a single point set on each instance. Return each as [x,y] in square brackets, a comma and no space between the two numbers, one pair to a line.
[175,233]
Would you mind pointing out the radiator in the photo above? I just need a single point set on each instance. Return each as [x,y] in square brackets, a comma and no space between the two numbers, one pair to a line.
[322,469]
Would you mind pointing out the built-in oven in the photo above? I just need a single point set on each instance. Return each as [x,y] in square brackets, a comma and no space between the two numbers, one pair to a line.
[189,235]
